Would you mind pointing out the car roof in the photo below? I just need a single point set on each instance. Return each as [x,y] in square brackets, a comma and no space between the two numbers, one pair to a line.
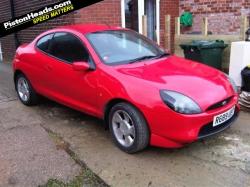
[89,28]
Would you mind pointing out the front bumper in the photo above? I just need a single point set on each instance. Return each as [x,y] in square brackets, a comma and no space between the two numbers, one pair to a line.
[172,130]
[209,130]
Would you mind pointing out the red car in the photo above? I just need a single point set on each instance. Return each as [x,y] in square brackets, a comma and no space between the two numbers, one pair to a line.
[146,96]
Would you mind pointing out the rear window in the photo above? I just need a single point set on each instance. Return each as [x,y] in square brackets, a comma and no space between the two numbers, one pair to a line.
[43,43]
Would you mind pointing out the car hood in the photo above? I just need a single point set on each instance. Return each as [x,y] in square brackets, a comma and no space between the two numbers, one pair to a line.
[203,84]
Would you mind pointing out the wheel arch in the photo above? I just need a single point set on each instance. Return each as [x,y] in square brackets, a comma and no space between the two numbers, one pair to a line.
[115,101]
[16,73]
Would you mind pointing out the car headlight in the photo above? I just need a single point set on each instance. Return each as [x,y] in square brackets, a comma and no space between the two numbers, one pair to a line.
[179,102]
[232,83]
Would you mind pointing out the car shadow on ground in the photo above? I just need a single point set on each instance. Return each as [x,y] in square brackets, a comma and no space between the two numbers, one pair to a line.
[226,149]
[51,109]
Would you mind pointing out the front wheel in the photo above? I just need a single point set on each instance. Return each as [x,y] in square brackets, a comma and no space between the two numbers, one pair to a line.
[25,91]
[128,128]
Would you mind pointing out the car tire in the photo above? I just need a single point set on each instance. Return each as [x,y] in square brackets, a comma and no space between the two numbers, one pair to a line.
[128,128]
[25,91]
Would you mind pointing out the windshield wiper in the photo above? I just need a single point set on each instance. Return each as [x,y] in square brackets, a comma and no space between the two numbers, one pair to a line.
[142,58]
[148,57]
[162,55]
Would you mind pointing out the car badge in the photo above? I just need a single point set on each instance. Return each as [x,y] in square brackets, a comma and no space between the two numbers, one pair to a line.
[224,103]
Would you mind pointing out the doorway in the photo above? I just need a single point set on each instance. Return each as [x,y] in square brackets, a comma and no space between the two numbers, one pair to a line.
[132,12]
[150,12]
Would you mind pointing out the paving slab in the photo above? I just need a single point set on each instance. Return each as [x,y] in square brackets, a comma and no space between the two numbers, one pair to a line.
[28,157]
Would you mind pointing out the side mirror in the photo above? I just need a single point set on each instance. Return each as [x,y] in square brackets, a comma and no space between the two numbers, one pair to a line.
[80,66]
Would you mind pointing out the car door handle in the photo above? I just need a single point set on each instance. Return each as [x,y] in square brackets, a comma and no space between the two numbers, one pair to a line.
[48,67]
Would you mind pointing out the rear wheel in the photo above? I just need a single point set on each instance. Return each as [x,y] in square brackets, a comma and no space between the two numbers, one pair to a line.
[128,128]
[25,92]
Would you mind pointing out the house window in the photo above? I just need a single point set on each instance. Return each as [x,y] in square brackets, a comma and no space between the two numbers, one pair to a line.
[132,12]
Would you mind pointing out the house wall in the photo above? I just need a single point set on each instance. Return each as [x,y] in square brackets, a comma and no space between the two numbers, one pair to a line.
[223,15]
[22,7]
[105,12]
[109,11]
[8,42]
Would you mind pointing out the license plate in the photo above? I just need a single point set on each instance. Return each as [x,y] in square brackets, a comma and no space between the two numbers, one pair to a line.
[219,119]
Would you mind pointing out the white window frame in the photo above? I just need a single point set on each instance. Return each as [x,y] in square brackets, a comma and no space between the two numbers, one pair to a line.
[1,53]
[123,13]
[140,14]
[158,17]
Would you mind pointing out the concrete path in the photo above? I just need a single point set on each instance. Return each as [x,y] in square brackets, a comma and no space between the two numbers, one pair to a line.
[28,157]
[222,160]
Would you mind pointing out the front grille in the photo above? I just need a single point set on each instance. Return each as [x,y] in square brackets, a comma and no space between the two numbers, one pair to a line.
[208,130]
[220,104]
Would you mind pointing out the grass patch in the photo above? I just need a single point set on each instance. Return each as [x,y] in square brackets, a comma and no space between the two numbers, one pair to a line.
[86,178]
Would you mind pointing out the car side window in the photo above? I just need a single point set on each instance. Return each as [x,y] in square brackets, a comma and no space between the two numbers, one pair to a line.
[43,43]
[68,47]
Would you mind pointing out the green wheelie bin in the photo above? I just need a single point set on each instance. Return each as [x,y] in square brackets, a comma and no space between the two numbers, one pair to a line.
[206,52]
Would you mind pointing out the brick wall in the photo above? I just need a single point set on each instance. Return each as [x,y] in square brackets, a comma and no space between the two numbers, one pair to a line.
[106,12]
[8,42]
[22,7]
[109,11]
[223,15]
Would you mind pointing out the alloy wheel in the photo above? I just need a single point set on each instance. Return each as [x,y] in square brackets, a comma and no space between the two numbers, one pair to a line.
[123,128]
[23,89]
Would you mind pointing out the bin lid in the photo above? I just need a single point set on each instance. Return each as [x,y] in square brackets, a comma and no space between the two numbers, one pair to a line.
[245,71]
[204,44]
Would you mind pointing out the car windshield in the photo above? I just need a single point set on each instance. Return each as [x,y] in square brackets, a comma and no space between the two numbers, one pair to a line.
[123,47]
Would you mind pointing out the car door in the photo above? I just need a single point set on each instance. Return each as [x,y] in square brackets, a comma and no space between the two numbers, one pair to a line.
[76,89]
[39,63]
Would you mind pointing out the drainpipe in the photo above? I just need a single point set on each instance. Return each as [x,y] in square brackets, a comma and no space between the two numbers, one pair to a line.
[12,9]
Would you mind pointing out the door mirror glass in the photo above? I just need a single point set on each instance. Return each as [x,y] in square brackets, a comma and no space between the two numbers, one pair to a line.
[80,66]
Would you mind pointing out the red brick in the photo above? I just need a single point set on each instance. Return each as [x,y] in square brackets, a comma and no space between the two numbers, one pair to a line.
[218,13]
[107,11]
